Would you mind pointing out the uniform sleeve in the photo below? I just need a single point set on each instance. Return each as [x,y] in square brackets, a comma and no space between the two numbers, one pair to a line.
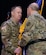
[35,29]
[26,36]
[5,35]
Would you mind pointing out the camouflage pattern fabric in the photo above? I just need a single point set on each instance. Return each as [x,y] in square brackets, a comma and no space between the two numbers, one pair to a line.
[9,35]
[35,29]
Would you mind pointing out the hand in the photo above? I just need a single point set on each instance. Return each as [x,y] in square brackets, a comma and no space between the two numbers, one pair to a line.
[18,50]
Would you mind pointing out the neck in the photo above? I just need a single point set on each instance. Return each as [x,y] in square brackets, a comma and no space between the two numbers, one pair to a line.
[13,19]
[33,12]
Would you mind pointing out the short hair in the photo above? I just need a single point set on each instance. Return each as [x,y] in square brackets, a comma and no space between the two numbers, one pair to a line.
[15,7]
[34,6]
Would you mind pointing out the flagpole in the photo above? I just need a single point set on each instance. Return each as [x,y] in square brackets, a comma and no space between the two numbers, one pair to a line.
[42,7]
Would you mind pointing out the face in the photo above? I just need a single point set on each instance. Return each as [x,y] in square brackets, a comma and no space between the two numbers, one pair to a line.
[17,13]
[28,11]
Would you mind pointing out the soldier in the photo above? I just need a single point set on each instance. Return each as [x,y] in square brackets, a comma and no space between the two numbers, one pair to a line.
[10,31]
[34,36]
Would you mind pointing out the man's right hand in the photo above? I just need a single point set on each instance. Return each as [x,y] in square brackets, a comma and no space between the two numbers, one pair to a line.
[18,50]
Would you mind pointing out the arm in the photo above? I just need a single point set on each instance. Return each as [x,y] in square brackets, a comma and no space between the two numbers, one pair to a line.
[5,35]
[26,36]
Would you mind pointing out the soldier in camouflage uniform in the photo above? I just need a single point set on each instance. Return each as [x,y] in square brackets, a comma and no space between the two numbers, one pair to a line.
[10,31]
[35,29]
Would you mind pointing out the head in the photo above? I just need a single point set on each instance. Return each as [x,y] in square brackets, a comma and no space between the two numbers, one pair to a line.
[31,8]
[16,13]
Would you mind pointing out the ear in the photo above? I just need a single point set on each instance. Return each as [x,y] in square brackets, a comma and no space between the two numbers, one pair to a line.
[12,13]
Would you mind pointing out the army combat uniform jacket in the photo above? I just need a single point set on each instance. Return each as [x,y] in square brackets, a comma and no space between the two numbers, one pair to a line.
[35,29]
[9,35]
